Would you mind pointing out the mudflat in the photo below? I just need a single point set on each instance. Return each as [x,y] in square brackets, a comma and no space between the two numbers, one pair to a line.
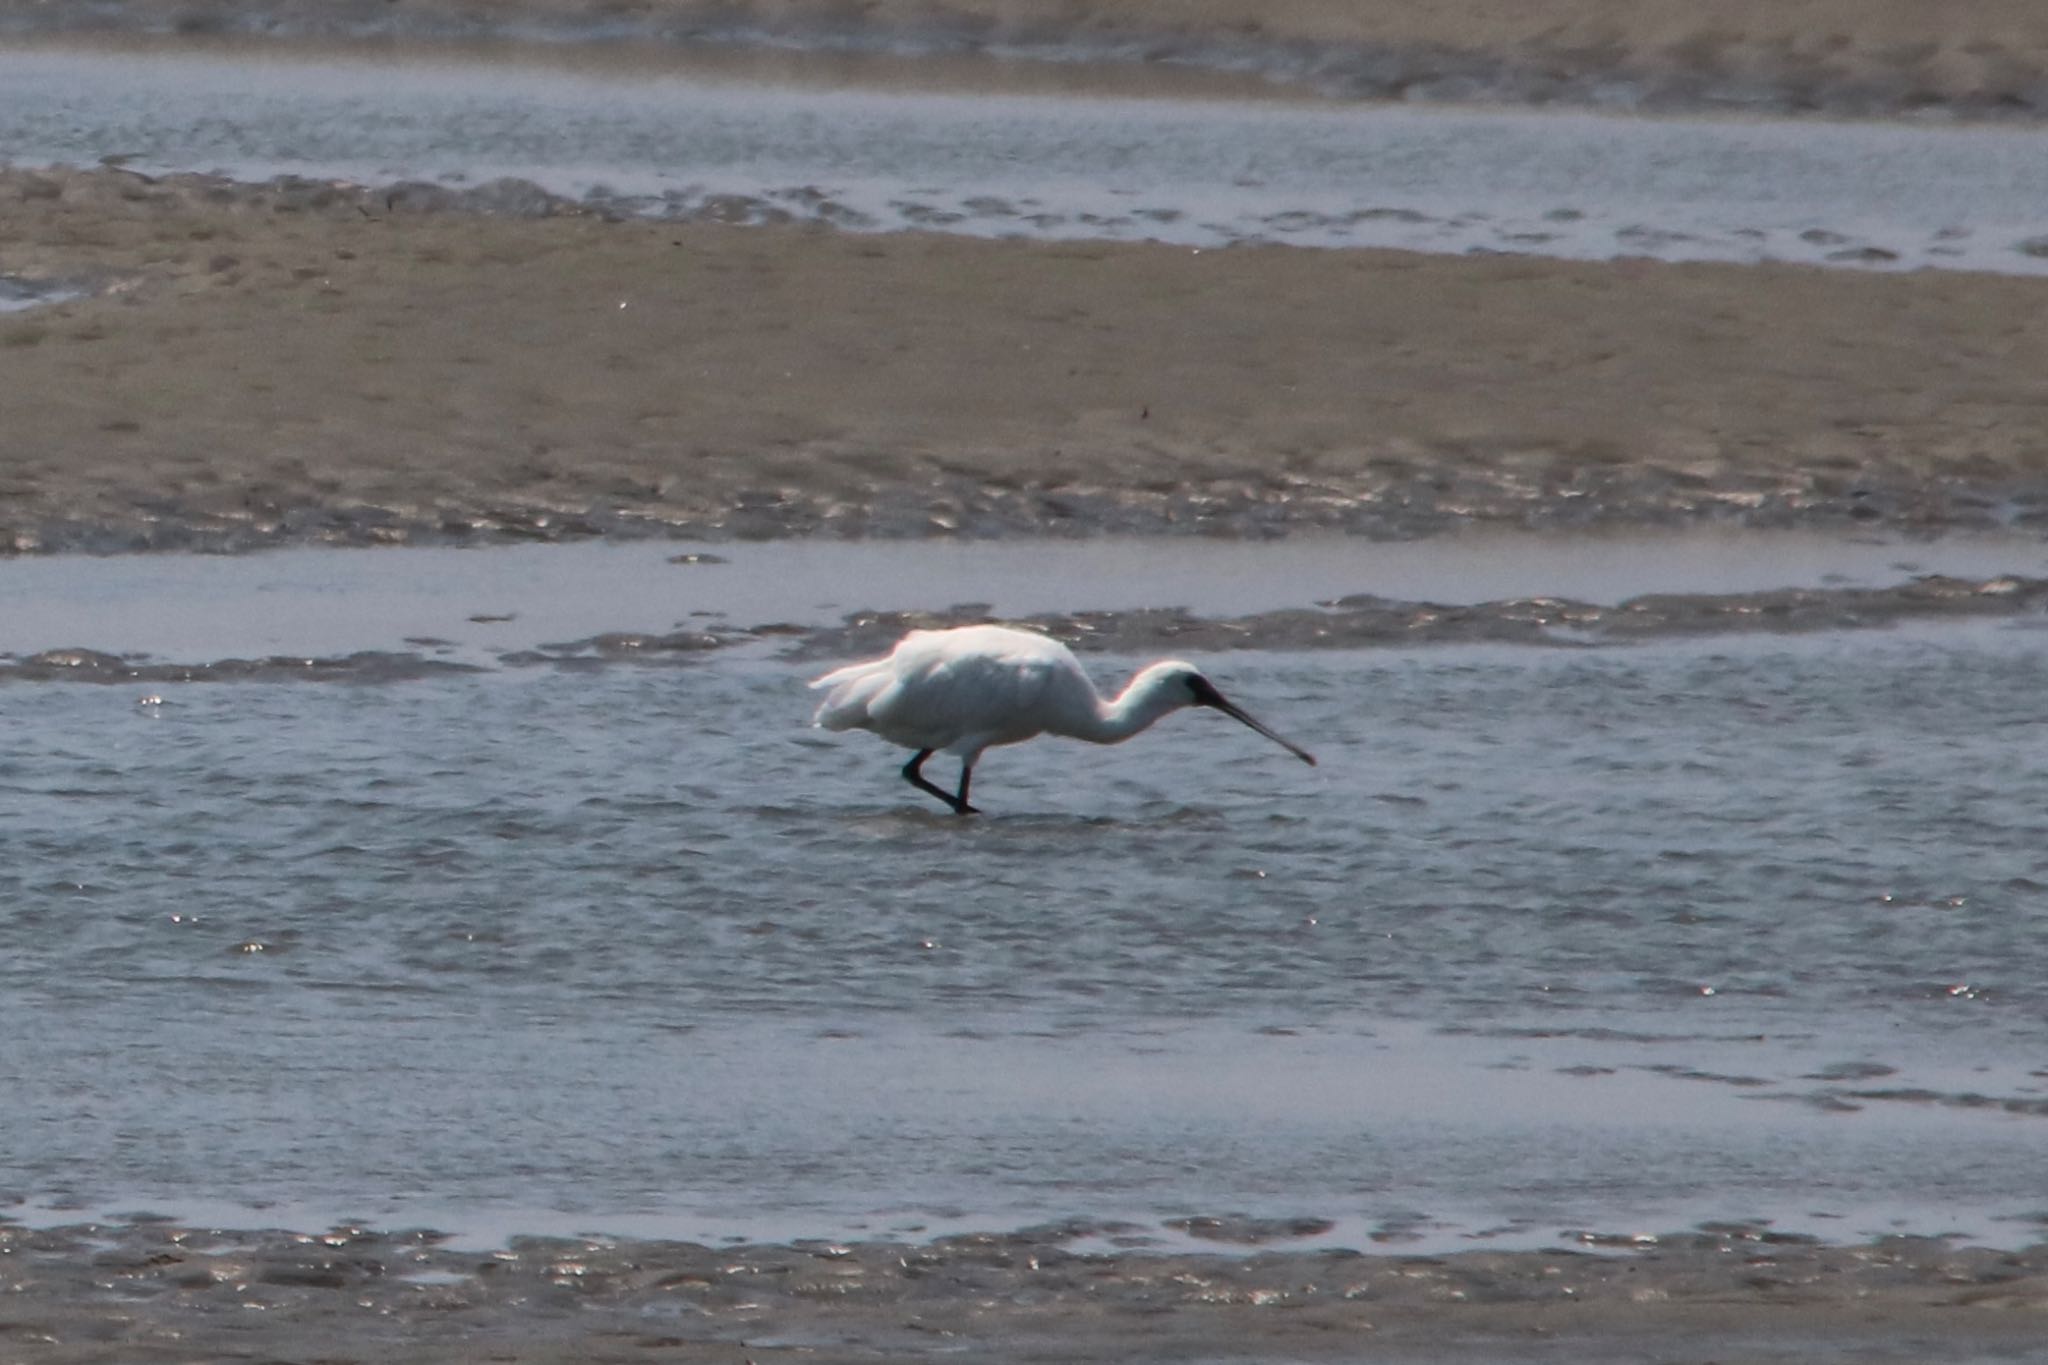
[312,362]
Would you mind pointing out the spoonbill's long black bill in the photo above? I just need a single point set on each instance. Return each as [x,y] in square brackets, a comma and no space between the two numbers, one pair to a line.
[1209,696]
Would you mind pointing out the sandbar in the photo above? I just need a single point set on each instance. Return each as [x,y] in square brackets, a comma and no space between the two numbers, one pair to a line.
[303,362]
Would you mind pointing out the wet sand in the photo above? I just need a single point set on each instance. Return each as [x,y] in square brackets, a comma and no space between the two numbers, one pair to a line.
[1980,58]
[155,1291]
[305,363]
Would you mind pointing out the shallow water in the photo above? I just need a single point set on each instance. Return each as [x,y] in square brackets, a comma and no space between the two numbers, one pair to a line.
[18,295]
[1616,940]
[1198,172]
[479,605]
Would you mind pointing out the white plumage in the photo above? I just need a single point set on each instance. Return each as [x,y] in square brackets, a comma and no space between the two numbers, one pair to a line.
[965,690]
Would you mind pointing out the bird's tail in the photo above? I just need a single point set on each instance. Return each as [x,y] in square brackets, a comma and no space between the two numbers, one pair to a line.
[851,691]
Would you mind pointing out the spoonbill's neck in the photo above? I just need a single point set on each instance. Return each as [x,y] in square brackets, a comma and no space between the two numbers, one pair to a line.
[1147,697]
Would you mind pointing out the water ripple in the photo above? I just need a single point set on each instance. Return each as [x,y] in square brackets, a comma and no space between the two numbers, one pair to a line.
[1833,839]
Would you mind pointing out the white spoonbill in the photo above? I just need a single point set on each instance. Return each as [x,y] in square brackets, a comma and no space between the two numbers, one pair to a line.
[974,687]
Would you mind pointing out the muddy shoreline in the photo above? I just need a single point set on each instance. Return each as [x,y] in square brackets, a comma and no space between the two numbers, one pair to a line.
[1987,59]
[497,366]
[159,1290]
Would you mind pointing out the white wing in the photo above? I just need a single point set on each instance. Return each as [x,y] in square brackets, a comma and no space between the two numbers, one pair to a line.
[959,689]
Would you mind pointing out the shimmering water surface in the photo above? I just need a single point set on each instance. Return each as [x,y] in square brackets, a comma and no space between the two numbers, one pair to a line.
[1615,939]
[1199,172]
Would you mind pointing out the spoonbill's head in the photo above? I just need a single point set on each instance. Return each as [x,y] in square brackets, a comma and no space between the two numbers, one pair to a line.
[1202,692]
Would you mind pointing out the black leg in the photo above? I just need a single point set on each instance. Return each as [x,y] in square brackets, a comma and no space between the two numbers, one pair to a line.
[915,777]
[966,776]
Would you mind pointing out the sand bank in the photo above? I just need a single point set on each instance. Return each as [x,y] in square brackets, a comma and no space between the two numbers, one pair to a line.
[1978,58]
[307,363]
